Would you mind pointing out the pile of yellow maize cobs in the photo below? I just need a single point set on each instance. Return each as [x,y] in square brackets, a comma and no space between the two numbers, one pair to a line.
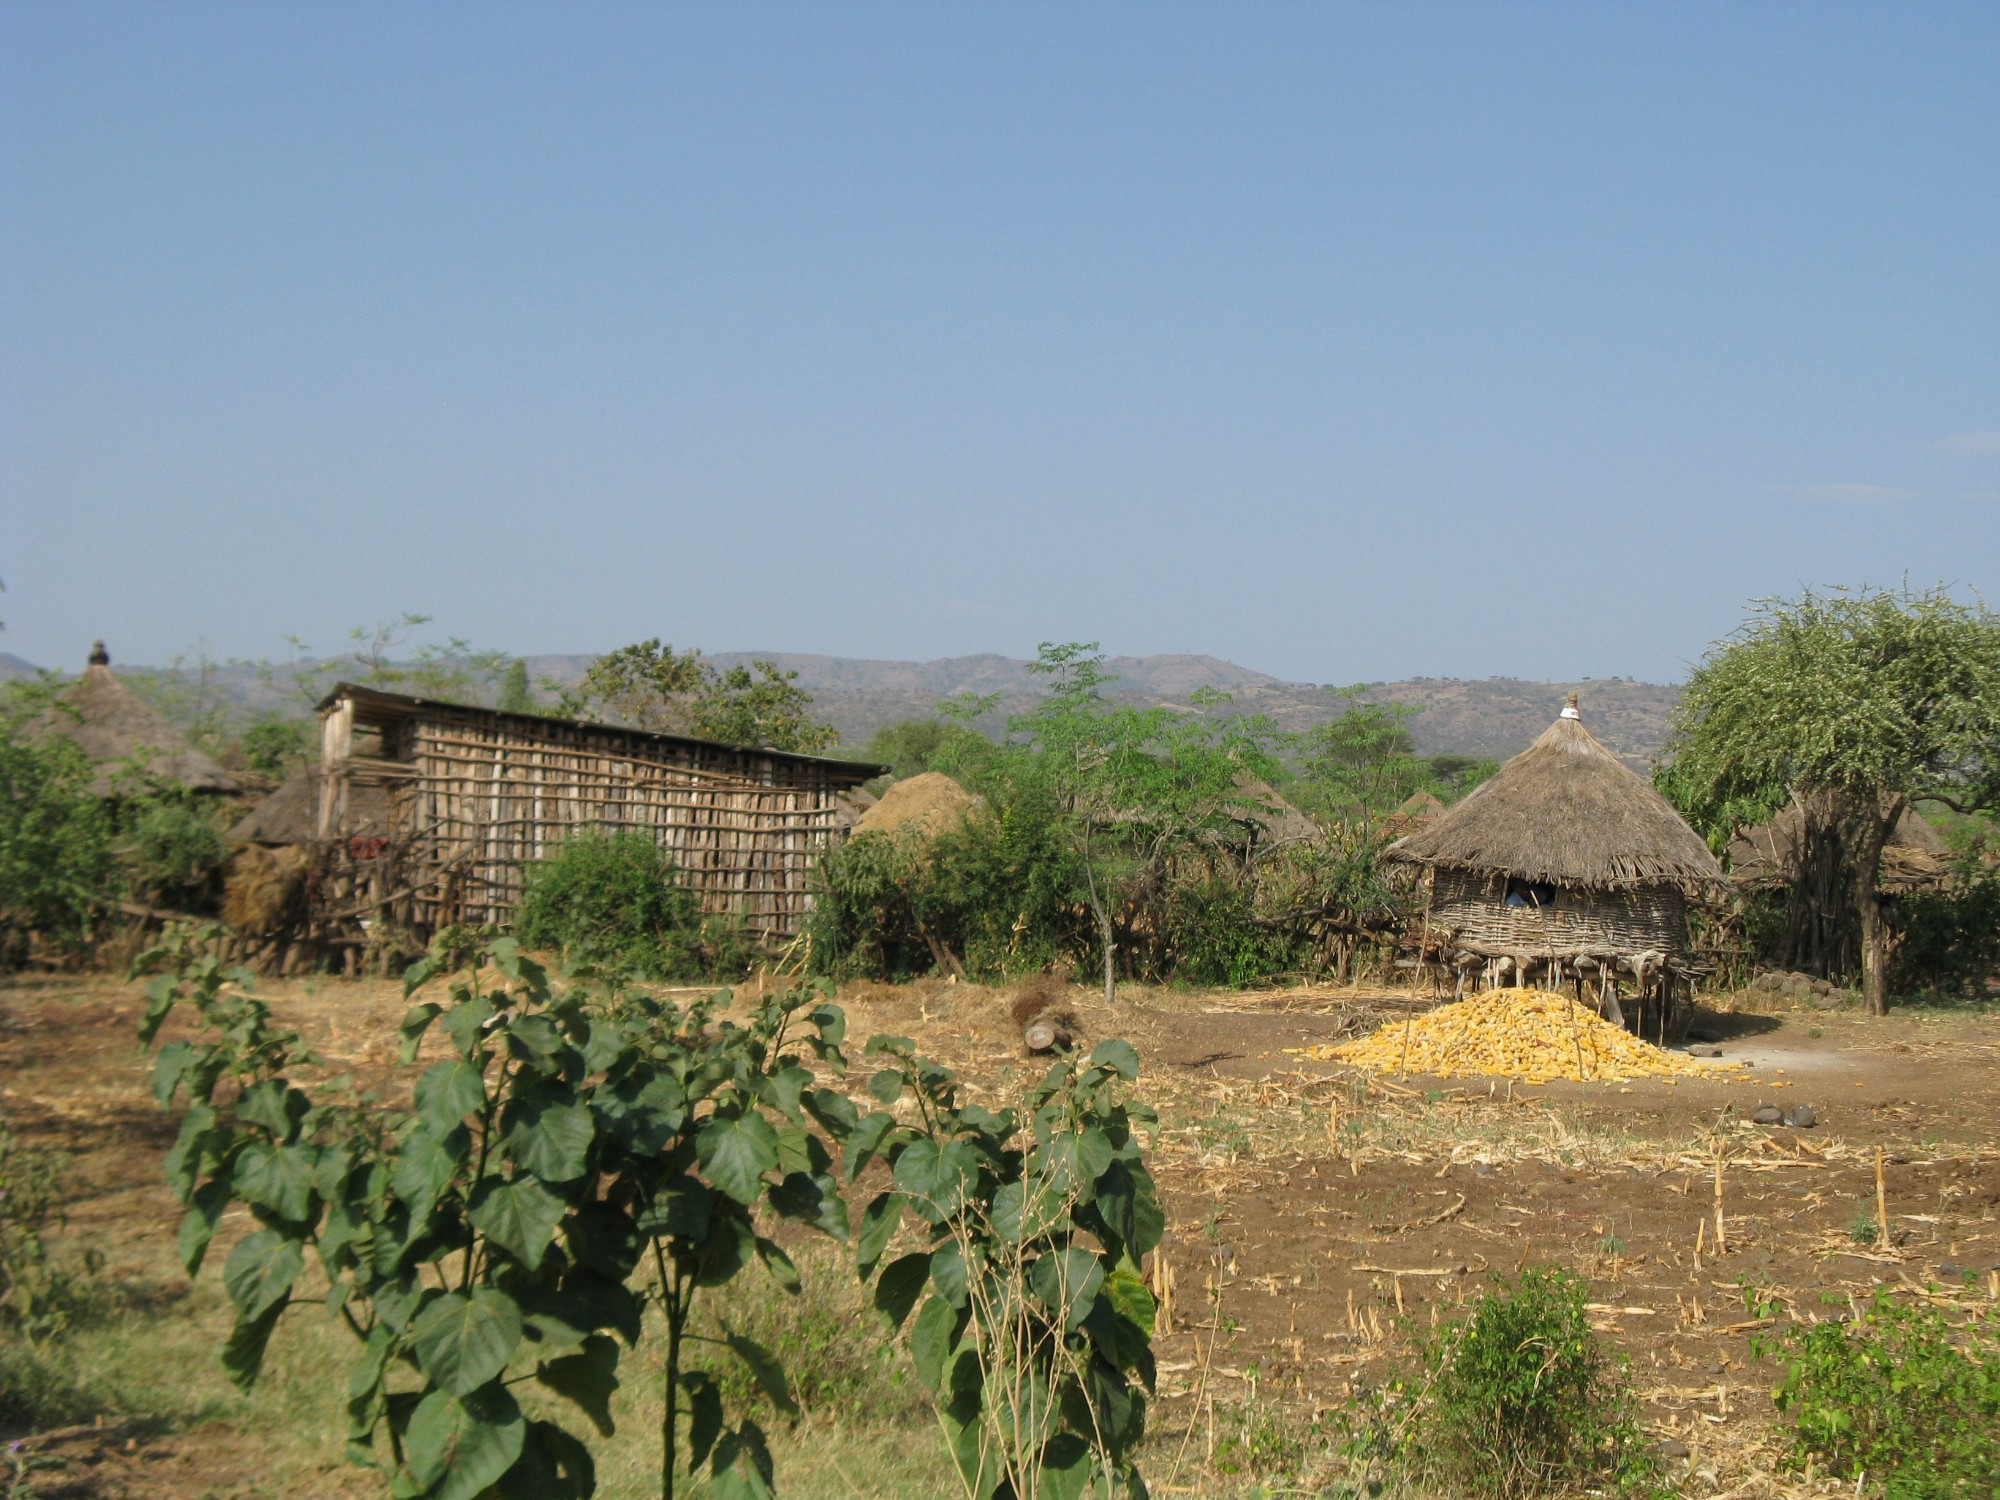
[1531,1035]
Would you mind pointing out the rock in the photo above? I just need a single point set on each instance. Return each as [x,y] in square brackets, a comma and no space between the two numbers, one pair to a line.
[1671,1448]
[1802,1117]
[1704,1052]
[1768,1114]
[1831,1000]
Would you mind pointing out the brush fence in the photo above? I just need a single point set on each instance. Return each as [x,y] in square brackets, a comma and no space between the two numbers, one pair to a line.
[428,812]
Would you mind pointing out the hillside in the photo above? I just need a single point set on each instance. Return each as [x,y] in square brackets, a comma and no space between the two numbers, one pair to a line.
[1495,717]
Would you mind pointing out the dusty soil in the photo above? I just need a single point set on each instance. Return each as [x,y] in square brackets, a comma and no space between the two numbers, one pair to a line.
[1310,1208]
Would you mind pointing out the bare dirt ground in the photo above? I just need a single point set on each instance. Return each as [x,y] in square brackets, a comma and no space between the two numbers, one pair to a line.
[1314,1213]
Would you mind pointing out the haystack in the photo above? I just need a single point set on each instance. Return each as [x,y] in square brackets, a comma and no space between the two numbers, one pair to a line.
[1914,858]
[930,804]
[263,890]
[1566,861]
[119,731]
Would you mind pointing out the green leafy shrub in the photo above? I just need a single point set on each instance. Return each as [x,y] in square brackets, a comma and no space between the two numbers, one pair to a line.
[172,846]
[1950,939]
[57,871]
[41,1291]
[616,898]
[1900,1395]
[1518,1398]
[568,1143]
[1035,1330]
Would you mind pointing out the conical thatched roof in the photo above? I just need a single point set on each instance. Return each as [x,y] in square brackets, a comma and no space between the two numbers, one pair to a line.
[1417,810]
[1915,858]
[1269,816]
[1569,812]
[114,726]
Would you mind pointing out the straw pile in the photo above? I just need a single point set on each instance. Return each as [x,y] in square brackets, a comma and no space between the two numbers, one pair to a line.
[929,805]
[1532,1035]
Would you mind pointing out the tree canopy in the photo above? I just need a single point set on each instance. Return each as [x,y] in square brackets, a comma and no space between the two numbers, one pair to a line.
[650,685]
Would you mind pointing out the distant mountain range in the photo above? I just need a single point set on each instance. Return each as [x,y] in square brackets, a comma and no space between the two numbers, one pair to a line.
[1496,717]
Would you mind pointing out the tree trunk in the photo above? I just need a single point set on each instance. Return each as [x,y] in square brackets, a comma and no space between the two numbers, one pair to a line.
[1874,833]
[1110,952]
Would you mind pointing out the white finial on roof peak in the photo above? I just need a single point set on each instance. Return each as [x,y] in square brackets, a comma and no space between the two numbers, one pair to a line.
[1570,708]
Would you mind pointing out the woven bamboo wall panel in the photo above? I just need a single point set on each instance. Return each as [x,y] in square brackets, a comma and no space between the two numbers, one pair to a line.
[1474,908]
[467,802]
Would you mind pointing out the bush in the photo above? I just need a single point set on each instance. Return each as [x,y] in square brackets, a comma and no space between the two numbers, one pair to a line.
[1951,938]
[57,873]
[616,898]
[172,847]
[1894,1396]
[40,1294]
[1519,1399]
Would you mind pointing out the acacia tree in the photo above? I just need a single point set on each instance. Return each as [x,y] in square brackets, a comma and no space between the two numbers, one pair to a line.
[1854,704]
[650,685]
[1128,789]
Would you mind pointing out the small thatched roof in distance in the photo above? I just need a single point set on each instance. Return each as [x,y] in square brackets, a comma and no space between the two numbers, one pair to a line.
[1274,820]
[285,816]
[113,726]
[1418,809]
[1569,812]
[1914,859]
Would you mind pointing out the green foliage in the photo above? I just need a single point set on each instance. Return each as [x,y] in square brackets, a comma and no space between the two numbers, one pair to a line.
[1362,765]
[1032,1324]
[918,745]
[487,1237]
[171,843]
[652,686]
[57,870]
[517,694]
[41,1292]
[273,745]
[1950,939]
[385,655]
[1517,1399]
[1898,1394]
[616,898]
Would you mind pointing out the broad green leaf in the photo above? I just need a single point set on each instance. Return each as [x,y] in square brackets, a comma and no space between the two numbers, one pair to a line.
[1128,1205]
[190,1148]
[878,1226]
[810,1200]
[274,1105]
[1067,1467]
[1067,1282]
[835,1112]
[936,1180]
[866,1141]
[778,1264]
[735,1153]
[465,1023]
[553,1466]
[168,1066]
[198,1228]
[457,1446]
[932,1337]
[948,1272]
[420,973]
[587,1377]
[447,1093]
[565,1316]
[887,1085]
[278,1178]
[261,1269]
[243,1353]
[741,1467]
[729,1245]
[535,1041]
[604,1238]
[161,993]
[901,1283]
[782,1087]
[680,1208]
[426,1164]
[1118,1055]
[550,1139]
[768,1373]
[519,1216]
[643,1113]
[1024,1211]
[463,1340]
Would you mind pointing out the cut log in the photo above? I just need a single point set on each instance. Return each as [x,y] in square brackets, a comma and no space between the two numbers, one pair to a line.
[1042,1034]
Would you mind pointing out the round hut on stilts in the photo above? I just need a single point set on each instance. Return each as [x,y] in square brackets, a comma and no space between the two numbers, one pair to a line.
[1568,868]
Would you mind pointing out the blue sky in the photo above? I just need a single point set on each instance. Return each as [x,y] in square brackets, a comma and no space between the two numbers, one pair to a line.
[1345,341]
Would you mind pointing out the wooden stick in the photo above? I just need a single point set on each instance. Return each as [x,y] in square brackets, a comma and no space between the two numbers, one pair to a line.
[1881,1205]
[1721,1237]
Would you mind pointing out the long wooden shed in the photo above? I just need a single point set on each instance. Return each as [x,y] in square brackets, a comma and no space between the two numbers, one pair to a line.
[428,810]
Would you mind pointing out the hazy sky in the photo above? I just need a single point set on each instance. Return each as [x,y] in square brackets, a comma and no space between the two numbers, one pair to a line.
[1345,341]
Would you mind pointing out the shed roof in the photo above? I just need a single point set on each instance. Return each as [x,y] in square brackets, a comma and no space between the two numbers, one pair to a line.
[1914,858]
[405,705]
[1569,812]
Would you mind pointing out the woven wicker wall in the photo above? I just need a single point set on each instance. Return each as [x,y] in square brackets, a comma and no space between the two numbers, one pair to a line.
[458,800]
[1474,907]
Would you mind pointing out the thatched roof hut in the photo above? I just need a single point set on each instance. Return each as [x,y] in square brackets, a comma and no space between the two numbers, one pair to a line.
[119,730]
[1417,811]
[1914,858]
[1566,853]
[1267,816]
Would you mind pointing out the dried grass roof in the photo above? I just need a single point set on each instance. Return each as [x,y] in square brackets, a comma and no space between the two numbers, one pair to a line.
[930,804]
[115,727]
[1569,812]
[286,816]
[1269,815]
[1417,810]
